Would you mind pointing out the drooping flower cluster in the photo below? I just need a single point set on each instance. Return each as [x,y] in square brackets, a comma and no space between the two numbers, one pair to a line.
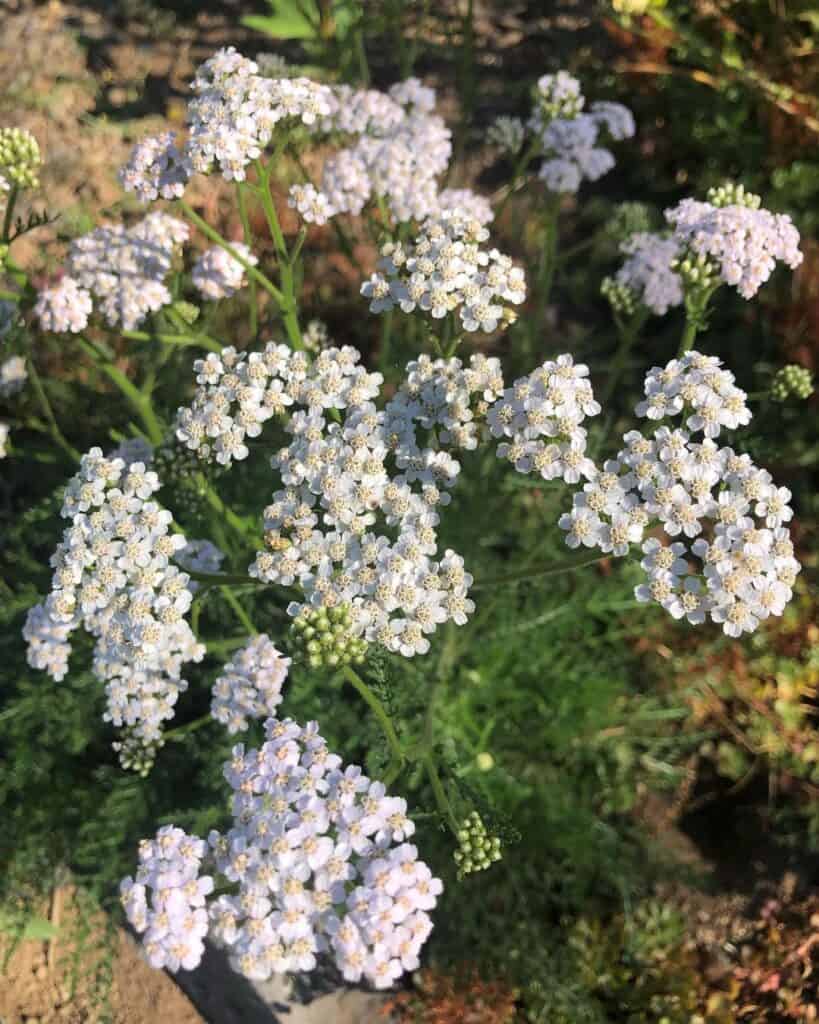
[445,270]
[250,685]
[734,239]
[319,862]
[569,138]
[647,275]
[217,275]
[47,642]
[166,903]
[113,575]
[723,550]
[124,269]
[355,523]
[19,159]
[541,415]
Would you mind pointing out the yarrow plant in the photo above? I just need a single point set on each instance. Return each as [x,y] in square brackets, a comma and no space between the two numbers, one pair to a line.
[316,862]
[346,480]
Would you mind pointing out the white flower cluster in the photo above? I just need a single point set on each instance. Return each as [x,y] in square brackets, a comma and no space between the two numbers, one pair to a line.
[724,550]
[231,120]
[63,307]
[250,685]
[343,477]
[174,922]
[567,136]
[122,268]
[156,169]
[648,273]
[445,270]
[318,853]
[13,376]
[700,385]
[313,206]
[112,574]
[550,403]
[217,275]
[742,242]
[557,95]
[401,149]
[571,146]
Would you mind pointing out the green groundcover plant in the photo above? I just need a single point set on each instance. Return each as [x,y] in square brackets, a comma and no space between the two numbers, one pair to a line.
[445,527]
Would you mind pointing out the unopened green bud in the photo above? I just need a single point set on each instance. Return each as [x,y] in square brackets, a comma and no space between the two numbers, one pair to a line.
[19,159]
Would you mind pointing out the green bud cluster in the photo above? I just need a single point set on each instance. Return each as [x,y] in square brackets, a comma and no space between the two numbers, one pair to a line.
[477,850]
[696,271]
[627,219]
[621,298]
[792,381]
[135,756]
[186,310]
[19,158]
[323,638]
[731,194]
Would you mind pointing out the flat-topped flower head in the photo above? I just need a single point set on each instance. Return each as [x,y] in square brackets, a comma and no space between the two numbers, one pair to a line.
[316,860]
[539,421]
[354,525]
[120,271]
[736,239]
[720,548]
[444,270]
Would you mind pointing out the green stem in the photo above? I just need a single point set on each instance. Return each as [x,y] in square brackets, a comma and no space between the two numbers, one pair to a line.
[48,412]
[245,219]
[396,751]
[548,259]
[221,579]
[229,516]
[554,569]
[223,243]
[239,611]
[288,305]
[692,327]
[182,730]
[140,402]
[441,799]
[184,340]
[10,204]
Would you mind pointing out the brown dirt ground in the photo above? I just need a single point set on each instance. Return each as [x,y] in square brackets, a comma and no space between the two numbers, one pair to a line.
[51,982]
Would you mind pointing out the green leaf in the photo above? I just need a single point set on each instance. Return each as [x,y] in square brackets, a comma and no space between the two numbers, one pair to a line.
[288,20]
[37,929]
